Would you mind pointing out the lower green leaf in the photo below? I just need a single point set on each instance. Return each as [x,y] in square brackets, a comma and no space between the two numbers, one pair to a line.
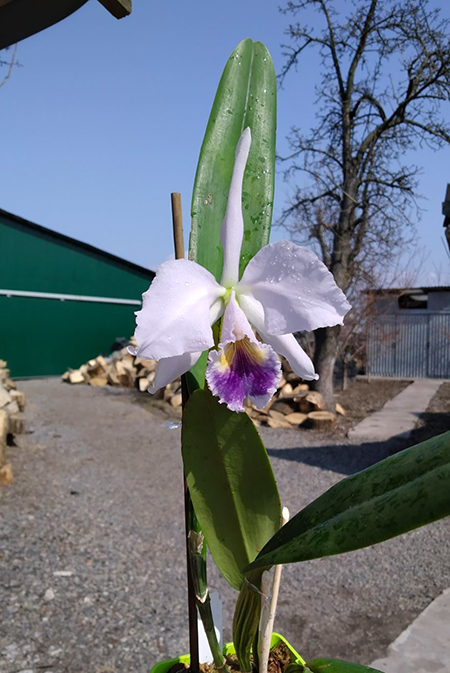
[402,492]
[231,483]
[337,666]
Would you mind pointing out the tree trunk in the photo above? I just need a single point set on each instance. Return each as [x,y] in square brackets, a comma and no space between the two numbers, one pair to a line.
[324,358]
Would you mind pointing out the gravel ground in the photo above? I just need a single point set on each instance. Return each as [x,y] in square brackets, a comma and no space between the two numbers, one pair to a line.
[91,544]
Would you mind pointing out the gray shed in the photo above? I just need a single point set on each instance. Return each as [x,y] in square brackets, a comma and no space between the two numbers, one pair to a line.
[409,335]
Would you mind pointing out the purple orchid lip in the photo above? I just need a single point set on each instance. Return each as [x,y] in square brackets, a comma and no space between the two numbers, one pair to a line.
[243,369]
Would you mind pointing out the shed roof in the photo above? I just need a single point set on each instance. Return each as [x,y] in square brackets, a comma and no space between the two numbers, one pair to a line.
[38,229]
[410,290]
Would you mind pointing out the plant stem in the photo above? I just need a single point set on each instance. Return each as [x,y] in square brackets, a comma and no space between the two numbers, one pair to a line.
[197,549]
[246,619]
[177,222]
[192,607]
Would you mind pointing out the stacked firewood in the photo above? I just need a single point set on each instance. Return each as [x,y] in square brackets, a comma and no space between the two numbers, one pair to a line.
[293,405]
[12,404]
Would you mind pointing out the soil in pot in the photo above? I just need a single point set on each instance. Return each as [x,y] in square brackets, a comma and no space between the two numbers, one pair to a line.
[279,659]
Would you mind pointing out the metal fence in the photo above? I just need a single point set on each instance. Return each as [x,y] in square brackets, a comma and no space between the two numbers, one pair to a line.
[410,345]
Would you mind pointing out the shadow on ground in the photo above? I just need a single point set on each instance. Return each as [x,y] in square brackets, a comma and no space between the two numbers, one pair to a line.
[350,458]
[343,459]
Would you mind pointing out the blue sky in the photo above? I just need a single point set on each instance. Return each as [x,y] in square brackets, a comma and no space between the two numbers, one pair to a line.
[106,118]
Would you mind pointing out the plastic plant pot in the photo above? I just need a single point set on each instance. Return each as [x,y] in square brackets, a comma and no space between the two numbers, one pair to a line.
[164,666]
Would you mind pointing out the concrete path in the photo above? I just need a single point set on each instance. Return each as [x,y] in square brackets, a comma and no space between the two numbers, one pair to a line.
[398,416]
[424,647]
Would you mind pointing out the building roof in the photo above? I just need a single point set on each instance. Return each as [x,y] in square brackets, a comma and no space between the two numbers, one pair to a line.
[44,232]
[410,290]
[20,19]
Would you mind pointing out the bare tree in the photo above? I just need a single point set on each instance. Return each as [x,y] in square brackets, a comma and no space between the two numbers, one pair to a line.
[385,75]
[9,65]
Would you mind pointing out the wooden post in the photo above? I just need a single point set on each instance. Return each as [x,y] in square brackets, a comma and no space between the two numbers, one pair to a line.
[118,8]
[178,240]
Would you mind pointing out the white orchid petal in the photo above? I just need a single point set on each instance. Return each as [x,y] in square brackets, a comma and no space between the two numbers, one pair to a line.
[286,345]
[175,317]
[295,288]
[169,369]
[232,230]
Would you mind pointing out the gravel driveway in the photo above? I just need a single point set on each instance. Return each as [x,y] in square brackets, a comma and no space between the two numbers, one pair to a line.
[92,576]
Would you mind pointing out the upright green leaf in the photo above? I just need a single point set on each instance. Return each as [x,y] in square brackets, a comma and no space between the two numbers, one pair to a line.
[338,666]
[402,492]
[231,483]
[246,96]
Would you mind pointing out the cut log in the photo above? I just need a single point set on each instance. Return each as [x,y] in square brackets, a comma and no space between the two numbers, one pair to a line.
[96,369]
[4,424]
[282,406]
[5,397]
[277,420]
[3,364]
[301,387]
[4,374]
[340,410]
[6,474]
[112,376]
[296,418]
[287,389]
[312,401]
[124,375]
[256,415]
[11,408]
[16,424]
[9,384]
[65,376]
[76,376]
[98,381]
[143,384]
[149,365]
[321,420]
[19,397]
[176,400]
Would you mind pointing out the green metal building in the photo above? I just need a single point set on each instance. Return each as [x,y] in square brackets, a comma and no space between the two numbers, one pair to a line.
[62,301]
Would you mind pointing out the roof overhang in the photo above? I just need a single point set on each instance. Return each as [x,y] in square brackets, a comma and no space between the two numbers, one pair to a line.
[22,18]
[409,290]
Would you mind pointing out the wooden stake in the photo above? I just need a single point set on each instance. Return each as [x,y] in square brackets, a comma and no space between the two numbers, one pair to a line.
[177,221]
[267,627]
[178,240]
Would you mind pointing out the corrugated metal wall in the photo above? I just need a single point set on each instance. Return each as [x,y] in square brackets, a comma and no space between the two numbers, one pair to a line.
[416,346]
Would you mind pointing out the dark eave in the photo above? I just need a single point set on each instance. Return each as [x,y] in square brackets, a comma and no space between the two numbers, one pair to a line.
[20,19]
[409,290]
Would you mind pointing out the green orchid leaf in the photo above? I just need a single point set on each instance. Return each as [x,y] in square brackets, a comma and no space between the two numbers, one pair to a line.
[402,492]
[231,483]
[297,668]
[337,666]
[246,96]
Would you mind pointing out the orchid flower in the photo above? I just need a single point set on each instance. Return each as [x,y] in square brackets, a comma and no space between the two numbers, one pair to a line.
[284,289]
